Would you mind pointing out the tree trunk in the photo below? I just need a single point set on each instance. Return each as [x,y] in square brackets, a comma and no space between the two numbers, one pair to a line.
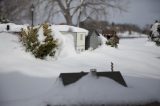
[66,12]
[68,18]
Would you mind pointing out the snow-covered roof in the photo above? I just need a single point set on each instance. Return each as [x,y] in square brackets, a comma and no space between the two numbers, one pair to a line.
[67,28]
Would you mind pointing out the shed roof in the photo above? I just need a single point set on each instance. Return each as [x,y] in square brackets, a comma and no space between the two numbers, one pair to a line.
[66,28]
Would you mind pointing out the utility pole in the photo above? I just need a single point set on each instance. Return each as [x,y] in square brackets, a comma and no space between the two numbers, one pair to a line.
[79,17]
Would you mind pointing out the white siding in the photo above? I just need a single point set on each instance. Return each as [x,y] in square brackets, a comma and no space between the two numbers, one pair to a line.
[79,40]
[80,46]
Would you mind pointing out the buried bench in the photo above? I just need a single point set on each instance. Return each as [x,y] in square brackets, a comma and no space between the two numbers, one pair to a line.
[69,78]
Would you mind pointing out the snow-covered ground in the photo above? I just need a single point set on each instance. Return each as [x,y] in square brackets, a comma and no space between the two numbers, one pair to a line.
[132,35]
[26,81]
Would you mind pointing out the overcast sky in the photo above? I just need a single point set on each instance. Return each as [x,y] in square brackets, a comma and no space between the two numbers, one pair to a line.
[140,12]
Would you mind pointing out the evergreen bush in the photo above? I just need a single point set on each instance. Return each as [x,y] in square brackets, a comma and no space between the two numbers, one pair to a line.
[47,47]
[3,19]
[113,41]
[157,41]
[29,38]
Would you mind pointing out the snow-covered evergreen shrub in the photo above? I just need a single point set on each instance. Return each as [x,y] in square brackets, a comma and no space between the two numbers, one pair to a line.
[155,33]
[113,41]
[40,49]
[29,38]
[3,19]
[49,45]
[157,41]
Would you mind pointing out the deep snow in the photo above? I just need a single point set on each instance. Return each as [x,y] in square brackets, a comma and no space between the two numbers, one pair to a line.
[26,81]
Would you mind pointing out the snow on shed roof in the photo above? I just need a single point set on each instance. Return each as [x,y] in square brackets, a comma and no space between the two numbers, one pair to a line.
[67,28]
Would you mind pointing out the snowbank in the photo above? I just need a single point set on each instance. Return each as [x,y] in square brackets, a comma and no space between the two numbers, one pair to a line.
[90,90]
[26,81]
[66,42]
[13,27]
[103,39]
[132,35]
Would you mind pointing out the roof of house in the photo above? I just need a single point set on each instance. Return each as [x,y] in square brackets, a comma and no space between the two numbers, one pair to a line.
[69,78]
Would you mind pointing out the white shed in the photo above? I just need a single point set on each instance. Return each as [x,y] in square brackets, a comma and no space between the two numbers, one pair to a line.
[79,35]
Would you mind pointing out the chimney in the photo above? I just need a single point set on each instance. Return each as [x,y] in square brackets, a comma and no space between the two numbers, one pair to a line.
[93,72]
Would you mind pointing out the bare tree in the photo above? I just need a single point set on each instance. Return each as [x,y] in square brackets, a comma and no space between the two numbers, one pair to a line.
[72,11]
[78,10]
[15,10]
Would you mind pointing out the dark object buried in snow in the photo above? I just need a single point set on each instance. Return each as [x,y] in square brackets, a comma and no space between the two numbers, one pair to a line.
[69,78]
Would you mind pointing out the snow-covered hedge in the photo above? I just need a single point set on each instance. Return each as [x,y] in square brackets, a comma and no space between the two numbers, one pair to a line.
[155,33]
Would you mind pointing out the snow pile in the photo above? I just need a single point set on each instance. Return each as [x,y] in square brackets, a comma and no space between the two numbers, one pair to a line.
[103,39]
[13,27]
[66,42]
[26,81]
[154,29]
[132,35]
[41,37]
[90,90]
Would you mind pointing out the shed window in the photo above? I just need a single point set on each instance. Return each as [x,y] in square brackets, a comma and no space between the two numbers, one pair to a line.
[81,36]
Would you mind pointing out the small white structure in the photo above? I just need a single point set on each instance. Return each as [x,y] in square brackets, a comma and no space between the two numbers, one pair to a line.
[79,35]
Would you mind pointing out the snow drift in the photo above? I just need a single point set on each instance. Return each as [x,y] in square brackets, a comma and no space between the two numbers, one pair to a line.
[26,81]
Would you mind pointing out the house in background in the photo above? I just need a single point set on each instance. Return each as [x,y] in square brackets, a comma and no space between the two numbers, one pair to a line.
[92,40]
[108,33]
[79,35]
